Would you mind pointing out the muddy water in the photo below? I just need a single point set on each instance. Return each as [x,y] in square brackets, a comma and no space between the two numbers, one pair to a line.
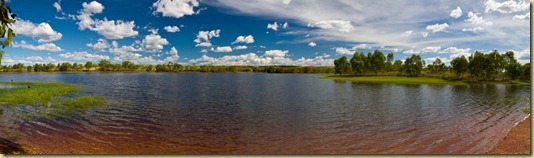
[257,113]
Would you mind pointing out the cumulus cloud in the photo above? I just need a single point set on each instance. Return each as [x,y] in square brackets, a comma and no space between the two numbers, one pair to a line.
[28,60]
[171,29]
[286,2]
[51,47]
[273,26]
[244,39]
[312,44]
[285,25]
[412,51]
[100,45]
[522,17]
[339,25]
[154,42]
[240,47]
[276,53]
[455,50]
[89,9]
[204,37]
[343,51]
[224,49]
[431,49]
[477,20]
[173,55]
[509,6]
[175,8]
[253,59]
[43,31]
[437,27]
[114,29]
[83,56]
[475,29]
[456,13]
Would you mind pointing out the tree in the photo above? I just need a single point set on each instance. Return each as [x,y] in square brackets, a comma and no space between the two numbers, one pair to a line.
[437,66]
[89,65]
[514,70]
[413,66]
[6,33]
[526,72]
[460,65]
[478,65]
[377,61]
[104,65]
[397,65]
[65,66]
[341,65]
[358,65]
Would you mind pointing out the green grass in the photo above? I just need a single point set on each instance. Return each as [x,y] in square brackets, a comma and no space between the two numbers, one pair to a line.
[55,98]
[396,80]
[34,93]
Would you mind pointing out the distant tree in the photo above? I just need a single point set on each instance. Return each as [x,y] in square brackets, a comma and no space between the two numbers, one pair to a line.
[6,33]
[341,65]
[526,72]
[390,57]
[460,65]
[413,66]
[377,61]
[437,67]
[358,65]
[514,70]
[478,65]
[89,65]
[397,65]
[65,66]
[50,67]
[104,65]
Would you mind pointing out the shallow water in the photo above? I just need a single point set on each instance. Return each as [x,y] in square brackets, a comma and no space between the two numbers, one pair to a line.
[257,113]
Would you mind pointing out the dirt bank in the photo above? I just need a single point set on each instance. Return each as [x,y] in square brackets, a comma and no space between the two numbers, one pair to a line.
[516,142]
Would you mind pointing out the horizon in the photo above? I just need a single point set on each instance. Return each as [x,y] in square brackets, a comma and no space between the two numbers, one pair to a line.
[262,32]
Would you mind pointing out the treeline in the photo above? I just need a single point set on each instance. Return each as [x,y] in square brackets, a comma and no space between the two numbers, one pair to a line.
[479,66]
[127,66]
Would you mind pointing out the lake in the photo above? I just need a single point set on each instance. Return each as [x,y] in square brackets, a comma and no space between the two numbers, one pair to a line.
[260,113]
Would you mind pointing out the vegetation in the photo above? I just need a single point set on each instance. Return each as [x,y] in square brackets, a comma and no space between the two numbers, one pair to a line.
[397,80]
[50,95]
[479,67]
[6,33]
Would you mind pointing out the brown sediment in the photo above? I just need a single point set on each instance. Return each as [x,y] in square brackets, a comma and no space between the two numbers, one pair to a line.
[8,147]
[516,142]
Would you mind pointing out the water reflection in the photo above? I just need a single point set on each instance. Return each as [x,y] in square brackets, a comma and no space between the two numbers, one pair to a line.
[254,113]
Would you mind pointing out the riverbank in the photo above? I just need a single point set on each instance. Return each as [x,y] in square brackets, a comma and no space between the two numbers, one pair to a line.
[415,80]
[517,141]
[8,147]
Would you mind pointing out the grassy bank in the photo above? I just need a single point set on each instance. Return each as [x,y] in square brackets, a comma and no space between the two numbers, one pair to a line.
[50,95]
[396,80]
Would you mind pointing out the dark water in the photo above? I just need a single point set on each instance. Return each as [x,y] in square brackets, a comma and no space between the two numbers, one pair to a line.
[256,113]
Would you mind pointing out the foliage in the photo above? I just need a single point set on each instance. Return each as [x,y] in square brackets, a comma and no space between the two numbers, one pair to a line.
[413,66]
[397,80]
[341,65]
[6,33]
[460,65]
[357,63]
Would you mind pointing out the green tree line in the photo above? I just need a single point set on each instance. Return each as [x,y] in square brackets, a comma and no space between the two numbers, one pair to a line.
[127,66]
[479,66]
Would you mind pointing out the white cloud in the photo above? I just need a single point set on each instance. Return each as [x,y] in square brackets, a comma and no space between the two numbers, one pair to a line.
[339,25]
[285,25]
[83,56]
[57,6]
[476,29]
[254,60]
[424,34]
[172,29]
[114,30]
[43,31]
[477,20]
[100,45]
[89,9]
[173,55]
[312,44]
[273,26]
[286,2]
[407,33]
[522,17]
[412,51]
[51,47]
[244,39]
[509,6]
[456,55]
[343,51]
[94,7]
[456,13]
[154,42]
[275,53]
[437,27]
[455,50]
[175,8]
[431,49]
[361,46]
[28,60]
[204,37]
[240,47]
[224,49]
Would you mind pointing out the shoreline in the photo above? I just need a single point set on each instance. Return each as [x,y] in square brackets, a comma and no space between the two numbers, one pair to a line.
[517,141]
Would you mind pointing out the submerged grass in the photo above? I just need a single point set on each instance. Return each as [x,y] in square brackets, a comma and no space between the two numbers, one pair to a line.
[51,97]
[396,80]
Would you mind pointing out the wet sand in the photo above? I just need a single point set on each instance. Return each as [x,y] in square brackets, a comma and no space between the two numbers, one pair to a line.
[516,142]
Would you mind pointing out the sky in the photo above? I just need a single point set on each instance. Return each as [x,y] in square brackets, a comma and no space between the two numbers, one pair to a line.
[263,32]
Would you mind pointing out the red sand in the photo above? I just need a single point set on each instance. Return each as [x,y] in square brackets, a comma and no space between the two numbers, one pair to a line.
[516,142]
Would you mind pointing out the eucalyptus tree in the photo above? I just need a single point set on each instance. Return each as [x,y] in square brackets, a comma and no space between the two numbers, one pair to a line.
[6,33]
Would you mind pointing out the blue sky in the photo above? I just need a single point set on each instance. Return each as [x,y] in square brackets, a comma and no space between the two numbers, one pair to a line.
[263,32]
